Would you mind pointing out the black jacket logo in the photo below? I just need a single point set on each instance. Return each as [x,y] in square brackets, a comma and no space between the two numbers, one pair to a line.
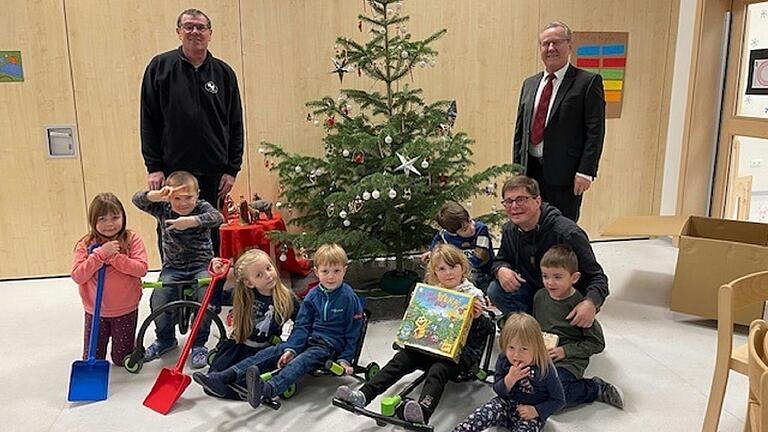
[210,87]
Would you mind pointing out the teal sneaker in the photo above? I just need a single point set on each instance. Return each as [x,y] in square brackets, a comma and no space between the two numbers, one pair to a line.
[355,397]
[157,349]
[199,357]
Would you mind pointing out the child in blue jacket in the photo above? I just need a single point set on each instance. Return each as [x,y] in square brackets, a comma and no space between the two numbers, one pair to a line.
[328,327]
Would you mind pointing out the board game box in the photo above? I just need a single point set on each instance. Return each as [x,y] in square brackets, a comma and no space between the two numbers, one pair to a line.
[436,321]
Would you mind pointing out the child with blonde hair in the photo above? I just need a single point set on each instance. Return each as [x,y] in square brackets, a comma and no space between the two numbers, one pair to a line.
[261,305]
[328,326]
[448,268]
[122,252]
[526,382]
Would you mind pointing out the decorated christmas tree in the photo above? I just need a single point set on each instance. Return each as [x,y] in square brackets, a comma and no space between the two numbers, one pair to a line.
[391,159]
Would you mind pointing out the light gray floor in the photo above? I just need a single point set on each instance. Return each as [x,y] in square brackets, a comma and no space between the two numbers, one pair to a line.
[662,360]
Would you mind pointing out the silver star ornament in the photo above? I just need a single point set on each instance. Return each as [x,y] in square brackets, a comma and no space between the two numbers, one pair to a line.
[406,165]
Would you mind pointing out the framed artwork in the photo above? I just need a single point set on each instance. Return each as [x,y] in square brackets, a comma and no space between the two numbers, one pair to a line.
[757,79]
[604,53]
[10,66]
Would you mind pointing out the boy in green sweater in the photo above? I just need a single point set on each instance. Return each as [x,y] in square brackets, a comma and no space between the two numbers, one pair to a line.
[559,271]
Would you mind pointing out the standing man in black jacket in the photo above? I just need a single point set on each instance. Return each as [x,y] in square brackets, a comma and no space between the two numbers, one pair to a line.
[560,124]
[534,227]
[191,114]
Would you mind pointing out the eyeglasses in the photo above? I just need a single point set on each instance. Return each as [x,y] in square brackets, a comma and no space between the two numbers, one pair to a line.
[189,27]
[555,42]
[520,201]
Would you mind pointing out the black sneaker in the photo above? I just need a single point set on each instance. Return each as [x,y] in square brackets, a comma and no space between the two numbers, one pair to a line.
[212,382]
[255,385]
[608,393]
[413,413]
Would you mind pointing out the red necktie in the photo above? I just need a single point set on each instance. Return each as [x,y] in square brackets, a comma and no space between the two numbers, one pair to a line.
[537,128]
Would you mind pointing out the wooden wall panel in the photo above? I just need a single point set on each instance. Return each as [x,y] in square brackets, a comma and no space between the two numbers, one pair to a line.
[112,43]
[42,207]
[483,60]
[281,51]
[287,62]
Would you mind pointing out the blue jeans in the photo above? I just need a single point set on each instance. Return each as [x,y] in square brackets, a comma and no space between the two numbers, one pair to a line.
[161,296]
[314,356]
[577,390]
[520,300]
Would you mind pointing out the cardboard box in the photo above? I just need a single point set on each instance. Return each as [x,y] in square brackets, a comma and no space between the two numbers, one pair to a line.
[437,321]
[712,252]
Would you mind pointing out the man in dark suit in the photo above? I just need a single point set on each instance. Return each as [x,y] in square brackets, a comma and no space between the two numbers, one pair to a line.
[560,124]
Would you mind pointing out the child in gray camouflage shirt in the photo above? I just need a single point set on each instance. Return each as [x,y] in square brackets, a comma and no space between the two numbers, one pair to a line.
[185,223]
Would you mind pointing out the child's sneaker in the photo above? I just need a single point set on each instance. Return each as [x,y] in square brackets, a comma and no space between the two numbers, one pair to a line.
[412,412]
[215,382]
[157,349]
[608,393]
[355,397]
[199,358]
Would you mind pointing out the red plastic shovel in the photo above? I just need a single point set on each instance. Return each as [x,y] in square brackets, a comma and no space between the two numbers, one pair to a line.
[171,383]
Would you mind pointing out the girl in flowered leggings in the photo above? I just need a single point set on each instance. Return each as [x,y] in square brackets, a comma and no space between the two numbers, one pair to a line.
[526,383]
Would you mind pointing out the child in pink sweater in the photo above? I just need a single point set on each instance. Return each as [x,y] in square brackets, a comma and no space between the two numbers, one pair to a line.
[123,254]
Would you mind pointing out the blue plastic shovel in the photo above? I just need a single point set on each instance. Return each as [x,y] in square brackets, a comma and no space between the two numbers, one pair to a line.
[89,380]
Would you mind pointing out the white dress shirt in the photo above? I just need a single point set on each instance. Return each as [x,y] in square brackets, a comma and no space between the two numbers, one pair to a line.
[537,150]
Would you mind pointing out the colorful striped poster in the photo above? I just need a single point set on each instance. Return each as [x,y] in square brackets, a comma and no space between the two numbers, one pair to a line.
[604,53]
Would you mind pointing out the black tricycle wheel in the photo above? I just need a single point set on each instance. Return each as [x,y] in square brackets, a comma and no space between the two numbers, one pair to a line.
[174,306]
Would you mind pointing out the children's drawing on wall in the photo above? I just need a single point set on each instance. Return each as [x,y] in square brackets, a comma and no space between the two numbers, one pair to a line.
[757,80]
[10,66]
